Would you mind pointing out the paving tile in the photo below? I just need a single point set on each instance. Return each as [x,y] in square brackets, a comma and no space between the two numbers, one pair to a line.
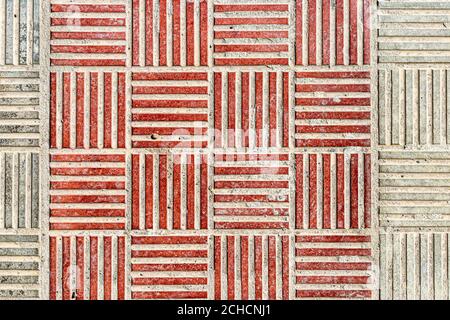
[224,149]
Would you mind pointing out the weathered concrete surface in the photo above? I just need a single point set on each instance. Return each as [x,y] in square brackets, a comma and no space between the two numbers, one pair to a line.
[224,149]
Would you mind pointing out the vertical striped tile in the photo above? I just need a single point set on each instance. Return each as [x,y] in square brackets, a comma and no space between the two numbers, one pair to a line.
[333,32]
[251,267]
[19,32]
[170,33]
[87,110]
[87,267]
[20,186]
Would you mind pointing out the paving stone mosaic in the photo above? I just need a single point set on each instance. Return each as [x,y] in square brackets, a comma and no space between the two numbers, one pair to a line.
[224,149]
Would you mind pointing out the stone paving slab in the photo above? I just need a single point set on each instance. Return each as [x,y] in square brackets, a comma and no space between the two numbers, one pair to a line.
[224,149]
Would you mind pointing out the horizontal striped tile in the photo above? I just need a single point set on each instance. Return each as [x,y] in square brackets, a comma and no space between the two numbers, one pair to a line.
[19,109]
[413,107]
[333,266]
[249,34]
[414,188]
[251,191]
[19,266]
[169,267]
[87,191]
[412,32]
[332,108]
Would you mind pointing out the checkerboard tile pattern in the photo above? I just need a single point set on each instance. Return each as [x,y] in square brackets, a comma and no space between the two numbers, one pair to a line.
[224,149]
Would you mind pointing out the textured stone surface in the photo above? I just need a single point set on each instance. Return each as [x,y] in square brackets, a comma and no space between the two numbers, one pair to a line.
[224,149]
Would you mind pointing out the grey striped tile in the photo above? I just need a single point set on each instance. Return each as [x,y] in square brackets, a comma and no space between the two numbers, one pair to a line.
[19,266]
[413,31]
[414,189]
[19,190]
[414,107]
[19,32]
[19,109]
[414,266]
